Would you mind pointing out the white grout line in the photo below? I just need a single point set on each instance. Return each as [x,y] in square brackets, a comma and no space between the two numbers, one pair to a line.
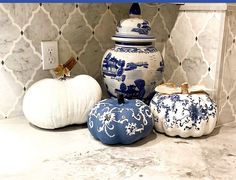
[14,104]
[225,124]
[50,19]
[63,27]
[31,18]
[68,19]
[91,36]
[99,24]
[9,16]
[164,23]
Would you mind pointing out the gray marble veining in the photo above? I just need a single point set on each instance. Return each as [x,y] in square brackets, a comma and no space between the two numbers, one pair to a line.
[21,13]
[36,33]
[102,33]
[92,57]
[59,12]
[194,65]
[93,16]
[77,32]
[9,34]
[171,61]
[72,153]
[20,61]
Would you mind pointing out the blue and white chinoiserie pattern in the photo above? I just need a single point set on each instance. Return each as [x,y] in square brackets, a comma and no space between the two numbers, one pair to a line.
[134,72]
[184,115]
[126,123]
[133,67]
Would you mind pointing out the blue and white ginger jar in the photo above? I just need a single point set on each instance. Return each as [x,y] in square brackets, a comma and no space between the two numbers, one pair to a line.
[189,114]
[133,67]
[120,122]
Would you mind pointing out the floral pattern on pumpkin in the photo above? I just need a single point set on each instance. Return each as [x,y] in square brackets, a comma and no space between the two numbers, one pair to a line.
[131,129]
[110,116]
[186,112]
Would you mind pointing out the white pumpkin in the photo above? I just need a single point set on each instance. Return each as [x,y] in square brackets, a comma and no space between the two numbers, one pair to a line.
[52,103]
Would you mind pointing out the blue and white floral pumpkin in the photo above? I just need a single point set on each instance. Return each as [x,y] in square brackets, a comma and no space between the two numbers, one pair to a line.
[120,122]
[183,114]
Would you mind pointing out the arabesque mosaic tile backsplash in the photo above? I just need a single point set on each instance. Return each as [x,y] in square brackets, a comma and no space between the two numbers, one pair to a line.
[82,31]
[227,88]
[190,42]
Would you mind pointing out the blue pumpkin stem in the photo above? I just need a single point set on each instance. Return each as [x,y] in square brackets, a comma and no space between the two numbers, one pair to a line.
[135,9]
[121,99]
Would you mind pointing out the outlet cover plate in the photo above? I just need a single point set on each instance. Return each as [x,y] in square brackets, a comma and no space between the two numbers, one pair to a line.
[49,54]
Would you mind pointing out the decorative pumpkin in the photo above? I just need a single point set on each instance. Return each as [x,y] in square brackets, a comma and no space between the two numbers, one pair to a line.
[53,103]
[120,122]
[183,111]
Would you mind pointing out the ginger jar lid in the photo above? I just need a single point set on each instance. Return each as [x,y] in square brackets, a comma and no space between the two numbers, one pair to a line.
[133,29]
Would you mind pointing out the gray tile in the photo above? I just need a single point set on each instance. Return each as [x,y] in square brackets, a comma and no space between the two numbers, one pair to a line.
[179,77]
[214,71]
[121,11]
[21,12]
[170,13]
[59,12]
[159,31]
[209,83]
[105,30]
[182,36]
[229,71]
[170,60]
[93,12]
[199,19]
[22,61]
[232,21]
[40,74]
[10,90]
[226,115]
[148,12]
[229,37]
[36,33]
[9,33]
[92,57]
[222,98]
[209,39]
[64,51]
[232,97]
[18,108]
[77,32]
[194,65]
[78,69]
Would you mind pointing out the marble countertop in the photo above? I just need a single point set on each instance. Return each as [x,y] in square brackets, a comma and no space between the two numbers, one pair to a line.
[27,152]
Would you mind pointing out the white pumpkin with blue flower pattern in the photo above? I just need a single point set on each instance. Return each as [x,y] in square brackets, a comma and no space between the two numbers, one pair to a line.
[183,112]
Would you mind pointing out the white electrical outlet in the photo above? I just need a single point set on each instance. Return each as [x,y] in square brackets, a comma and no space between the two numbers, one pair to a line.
[49,54]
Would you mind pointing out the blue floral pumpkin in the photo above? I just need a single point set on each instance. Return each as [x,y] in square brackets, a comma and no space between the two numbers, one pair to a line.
[183,112]
[120,121]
